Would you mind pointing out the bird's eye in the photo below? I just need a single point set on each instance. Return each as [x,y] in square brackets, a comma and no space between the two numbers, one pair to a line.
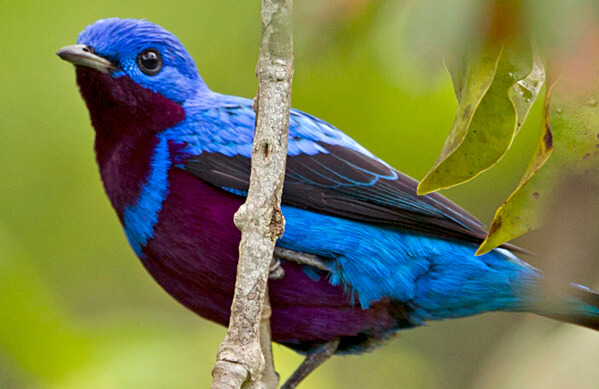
[149,62]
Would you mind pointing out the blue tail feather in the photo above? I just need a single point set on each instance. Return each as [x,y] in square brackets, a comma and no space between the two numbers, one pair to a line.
[436,279]
[580,306]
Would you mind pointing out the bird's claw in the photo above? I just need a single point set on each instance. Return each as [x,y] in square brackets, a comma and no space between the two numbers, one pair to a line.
[276,271]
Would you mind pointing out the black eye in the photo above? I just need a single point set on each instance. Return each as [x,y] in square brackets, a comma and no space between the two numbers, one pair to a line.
[149,62]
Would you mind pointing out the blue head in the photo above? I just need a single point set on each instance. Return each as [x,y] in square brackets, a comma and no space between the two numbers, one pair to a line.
[135,78]
[145,52]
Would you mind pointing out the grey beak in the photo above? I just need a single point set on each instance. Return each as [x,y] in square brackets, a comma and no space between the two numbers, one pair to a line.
[83,55]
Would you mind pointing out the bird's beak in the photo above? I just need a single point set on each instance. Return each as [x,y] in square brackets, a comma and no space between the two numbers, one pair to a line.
[82,55]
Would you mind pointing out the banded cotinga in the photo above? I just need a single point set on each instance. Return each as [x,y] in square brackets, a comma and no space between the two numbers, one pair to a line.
[174,158]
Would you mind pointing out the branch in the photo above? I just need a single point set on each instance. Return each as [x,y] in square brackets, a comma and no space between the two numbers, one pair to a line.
[240,358]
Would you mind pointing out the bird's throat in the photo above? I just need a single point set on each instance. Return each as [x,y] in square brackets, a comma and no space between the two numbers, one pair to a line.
[120,108]
[126,117]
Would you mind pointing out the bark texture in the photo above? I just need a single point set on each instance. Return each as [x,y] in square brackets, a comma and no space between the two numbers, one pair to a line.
[242,354]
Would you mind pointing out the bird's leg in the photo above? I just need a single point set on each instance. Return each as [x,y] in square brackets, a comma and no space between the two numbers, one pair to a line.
[275,272]
[301,258]
[315,358]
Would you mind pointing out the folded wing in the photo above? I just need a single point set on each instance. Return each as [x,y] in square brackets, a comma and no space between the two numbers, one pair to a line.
[326,172]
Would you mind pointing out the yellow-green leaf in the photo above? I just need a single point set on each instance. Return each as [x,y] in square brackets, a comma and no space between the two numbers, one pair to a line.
[495,91]
[570,136]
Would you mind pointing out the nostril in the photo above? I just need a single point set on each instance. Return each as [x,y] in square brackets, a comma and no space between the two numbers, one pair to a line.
[88,49]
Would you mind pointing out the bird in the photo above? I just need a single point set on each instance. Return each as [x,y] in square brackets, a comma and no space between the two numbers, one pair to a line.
[363,255]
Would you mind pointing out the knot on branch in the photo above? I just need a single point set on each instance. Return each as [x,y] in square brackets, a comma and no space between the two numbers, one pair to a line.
[276,70]
[271,224]
[241,217]
[263,148]
[250,215]
[277,224]
[233,367]
[228,375]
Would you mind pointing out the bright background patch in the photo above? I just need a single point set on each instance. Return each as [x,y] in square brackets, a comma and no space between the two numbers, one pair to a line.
[77,310]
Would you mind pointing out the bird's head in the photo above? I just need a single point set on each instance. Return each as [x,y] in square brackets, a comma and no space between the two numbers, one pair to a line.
[135,78]
[144,52]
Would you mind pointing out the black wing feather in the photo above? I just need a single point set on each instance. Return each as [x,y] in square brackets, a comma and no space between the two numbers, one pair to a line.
[349,184]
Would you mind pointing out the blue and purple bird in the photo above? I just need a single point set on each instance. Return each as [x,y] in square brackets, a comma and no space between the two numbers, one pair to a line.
[174,157]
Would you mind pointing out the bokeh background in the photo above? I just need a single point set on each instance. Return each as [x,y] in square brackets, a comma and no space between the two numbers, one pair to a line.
[77,310]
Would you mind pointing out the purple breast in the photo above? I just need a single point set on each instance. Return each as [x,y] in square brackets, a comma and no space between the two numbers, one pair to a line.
[193,252]
[193,256]
[126,118]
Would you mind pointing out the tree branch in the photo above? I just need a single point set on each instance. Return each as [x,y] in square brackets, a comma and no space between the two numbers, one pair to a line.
[240,359]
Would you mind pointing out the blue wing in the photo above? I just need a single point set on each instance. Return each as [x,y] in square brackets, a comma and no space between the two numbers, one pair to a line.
[336,197]
[327,172]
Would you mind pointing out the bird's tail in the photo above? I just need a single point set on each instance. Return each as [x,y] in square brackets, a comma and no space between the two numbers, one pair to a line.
[550,297]
[581,307]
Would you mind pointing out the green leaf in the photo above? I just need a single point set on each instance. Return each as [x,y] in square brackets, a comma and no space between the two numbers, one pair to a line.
[495,90]
[570,136]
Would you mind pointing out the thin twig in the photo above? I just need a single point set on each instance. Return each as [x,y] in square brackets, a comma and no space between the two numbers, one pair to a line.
[315,358]
[270,378]
[240,360]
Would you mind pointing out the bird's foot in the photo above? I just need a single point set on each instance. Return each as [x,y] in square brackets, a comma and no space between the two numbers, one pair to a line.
[275,272]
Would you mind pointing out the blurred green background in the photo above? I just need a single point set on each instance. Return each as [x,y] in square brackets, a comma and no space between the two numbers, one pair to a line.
[77,310]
